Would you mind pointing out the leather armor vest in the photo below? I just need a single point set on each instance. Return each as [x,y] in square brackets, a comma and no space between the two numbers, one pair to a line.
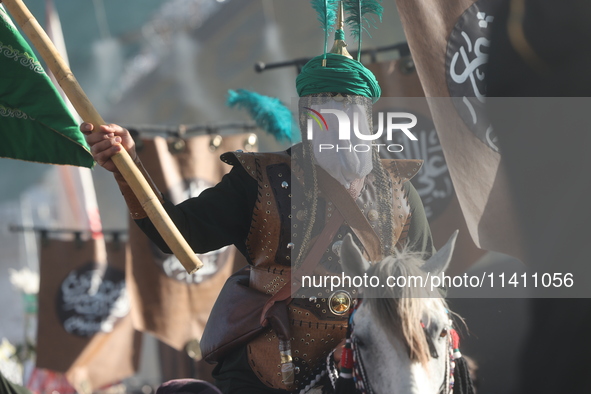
[276,228]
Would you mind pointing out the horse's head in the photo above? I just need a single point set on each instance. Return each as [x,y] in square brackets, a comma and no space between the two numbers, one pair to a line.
[401,331]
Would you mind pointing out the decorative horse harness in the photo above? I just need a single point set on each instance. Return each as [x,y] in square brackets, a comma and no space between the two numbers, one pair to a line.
[352,372]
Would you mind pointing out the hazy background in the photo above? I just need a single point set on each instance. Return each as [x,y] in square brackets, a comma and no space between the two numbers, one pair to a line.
[147,62]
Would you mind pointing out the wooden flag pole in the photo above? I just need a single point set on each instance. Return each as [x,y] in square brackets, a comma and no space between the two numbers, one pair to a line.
[86,110]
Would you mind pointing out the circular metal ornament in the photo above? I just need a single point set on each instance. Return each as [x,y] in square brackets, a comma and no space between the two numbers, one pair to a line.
[336,247]
[193,349]
[301,215]
[340,302]
[372,215]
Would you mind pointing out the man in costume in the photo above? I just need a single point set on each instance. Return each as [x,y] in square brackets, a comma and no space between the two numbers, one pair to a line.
[287,212]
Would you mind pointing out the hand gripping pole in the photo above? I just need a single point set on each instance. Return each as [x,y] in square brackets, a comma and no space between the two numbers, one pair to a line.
[86,110]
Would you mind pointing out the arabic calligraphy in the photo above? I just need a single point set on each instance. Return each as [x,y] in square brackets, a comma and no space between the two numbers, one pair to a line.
[467,56]
[92,301]
[472,67]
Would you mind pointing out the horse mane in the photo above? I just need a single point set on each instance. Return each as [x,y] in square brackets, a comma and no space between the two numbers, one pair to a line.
[400,309]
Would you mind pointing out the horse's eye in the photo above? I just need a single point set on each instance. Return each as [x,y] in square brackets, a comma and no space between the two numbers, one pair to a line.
[443,333]
[359,342]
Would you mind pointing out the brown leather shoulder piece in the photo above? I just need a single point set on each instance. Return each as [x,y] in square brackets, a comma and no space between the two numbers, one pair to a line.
[254,161]
[402,169]
[270,170]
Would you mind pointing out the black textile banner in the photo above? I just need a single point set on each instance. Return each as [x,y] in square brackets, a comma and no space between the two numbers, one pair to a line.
[85,328]
[449,41]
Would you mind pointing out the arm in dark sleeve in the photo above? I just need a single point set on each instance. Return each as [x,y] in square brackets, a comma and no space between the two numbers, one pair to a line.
[419,233]
[219,216]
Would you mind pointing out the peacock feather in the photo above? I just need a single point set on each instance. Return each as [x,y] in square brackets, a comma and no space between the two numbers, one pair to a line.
[327,16]
[358,19]
[269,113]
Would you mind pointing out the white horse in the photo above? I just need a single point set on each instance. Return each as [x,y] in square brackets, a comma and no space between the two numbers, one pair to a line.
[402,336]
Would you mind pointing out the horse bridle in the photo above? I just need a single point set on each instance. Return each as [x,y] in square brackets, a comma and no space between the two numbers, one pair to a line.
[362,383]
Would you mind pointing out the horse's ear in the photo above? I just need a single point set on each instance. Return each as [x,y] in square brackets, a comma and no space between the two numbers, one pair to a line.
[352,260]
[439,261]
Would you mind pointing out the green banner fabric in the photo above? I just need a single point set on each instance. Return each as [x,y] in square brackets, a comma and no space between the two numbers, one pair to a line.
[35,124]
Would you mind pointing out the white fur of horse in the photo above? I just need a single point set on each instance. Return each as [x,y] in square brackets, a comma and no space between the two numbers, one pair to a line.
[387,324]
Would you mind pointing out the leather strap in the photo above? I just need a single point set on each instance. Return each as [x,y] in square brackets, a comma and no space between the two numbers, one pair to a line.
[136,210]
[308,265]
[353,216]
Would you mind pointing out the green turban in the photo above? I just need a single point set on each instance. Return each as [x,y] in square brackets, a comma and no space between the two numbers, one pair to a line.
[341,75]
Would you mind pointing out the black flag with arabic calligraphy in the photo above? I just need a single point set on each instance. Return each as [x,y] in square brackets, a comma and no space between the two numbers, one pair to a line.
[449,41]
[85,328]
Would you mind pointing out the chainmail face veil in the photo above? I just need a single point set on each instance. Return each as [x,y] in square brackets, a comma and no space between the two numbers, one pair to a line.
[345,160]
[308,164]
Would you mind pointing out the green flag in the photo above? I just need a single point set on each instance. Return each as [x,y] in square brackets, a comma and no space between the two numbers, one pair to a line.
[35,124]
